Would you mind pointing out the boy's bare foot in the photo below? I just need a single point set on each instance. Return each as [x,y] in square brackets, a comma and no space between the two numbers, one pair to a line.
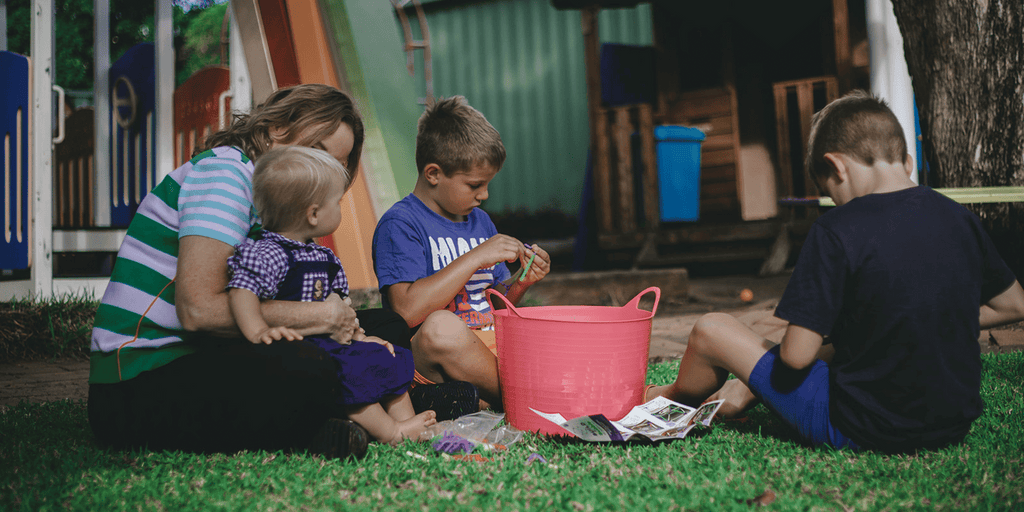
[738,399]
[413,427]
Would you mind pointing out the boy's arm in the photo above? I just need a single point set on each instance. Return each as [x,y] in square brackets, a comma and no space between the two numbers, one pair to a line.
[799,347]
[414,301]
[1005,308]
[245,306]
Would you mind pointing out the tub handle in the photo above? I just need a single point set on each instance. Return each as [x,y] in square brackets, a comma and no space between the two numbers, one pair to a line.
[492,292]
[636,300]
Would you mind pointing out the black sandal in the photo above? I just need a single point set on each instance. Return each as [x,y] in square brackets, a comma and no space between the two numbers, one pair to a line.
[449,400]
[340,439]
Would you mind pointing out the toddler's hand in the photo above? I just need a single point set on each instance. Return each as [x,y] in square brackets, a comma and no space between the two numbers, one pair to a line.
[374,339]
[359,335]
[272,334]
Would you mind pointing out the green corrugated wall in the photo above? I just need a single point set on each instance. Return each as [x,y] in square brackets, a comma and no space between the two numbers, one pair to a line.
[520,62]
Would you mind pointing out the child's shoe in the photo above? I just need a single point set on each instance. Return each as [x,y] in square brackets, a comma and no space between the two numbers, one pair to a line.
[449,400]
[340,439]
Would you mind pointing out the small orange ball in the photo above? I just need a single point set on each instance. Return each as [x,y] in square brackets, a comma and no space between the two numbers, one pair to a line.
[746,295]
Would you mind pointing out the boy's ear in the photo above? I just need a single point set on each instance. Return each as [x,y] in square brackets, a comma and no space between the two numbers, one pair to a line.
[432,172]
[908,166]
[838,164]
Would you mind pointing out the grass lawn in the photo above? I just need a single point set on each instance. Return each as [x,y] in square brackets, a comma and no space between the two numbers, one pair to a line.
[48,460]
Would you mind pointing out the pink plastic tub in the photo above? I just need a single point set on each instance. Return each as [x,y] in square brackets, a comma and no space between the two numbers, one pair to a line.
[571,360]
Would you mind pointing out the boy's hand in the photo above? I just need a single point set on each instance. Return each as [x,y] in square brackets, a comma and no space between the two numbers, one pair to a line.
[497,249]
[272,334]
[539,268]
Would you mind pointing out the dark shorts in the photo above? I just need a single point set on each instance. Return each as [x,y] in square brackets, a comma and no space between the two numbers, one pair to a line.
[800,398]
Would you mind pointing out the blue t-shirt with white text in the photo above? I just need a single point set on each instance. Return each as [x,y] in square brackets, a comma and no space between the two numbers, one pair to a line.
[412,242]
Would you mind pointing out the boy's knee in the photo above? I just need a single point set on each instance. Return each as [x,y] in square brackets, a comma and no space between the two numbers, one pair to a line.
[710,328]
[442,331]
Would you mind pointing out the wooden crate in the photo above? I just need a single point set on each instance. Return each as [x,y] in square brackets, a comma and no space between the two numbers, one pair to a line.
[616,178]
[803,97]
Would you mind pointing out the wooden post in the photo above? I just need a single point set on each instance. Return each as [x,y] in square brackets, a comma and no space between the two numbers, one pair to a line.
[623,130]
[841,31]
[598,122]
[805,102]
[652,197]
[782,136]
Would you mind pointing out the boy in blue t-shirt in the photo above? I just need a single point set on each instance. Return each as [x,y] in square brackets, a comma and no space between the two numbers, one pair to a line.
[898,277]
[435,252]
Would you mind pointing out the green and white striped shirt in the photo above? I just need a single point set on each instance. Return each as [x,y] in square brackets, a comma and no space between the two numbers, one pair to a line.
[136,327]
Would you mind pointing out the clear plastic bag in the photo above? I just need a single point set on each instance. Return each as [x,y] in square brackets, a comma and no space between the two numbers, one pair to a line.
[482,428]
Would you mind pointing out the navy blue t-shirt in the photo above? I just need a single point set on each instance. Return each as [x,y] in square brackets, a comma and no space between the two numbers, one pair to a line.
[896,281]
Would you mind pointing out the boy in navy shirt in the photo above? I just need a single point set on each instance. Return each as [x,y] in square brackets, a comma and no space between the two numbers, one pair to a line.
[899,278]
[435,252]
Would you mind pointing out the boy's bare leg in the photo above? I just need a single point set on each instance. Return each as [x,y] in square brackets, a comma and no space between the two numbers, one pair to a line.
[445,349]
[385,429]
[719,345]
[398,407]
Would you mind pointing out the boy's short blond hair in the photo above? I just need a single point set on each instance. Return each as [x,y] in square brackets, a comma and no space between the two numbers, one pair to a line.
[857,125]
[456,137]
[288,180]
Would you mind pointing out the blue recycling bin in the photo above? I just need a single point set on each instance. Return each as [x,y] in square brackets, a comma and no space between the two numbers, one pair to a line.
[678,149]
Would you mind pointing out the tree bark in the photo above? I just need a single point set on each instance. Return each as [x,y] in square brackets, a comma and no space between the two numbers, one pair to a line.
[966,59]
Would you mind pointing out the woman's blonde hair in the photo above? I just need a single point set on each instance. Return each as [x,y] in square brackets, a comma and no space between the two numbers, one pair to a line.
[289,179]
[304,114]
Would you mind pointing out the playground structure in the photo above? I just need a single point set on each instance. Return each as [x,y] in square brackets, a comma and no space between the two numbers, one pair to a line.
[78,195]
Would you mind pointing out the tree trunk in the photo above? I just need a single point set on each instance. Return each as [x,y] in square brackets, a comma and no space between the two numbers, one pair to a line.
[966,58]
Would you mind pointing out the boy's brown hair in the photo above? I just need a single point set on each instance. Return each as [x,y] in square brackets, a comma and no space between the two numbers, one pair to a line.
[289,179]
[456,137]
[857,125]
[306,115]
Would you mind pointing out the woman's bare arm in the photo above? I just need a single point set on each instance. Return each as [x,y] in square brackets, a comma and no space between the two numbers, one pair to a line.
[201,299]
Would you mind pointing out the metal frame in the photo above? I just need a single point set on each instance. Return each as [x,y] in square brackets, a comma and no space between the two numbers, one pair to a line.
[44,239]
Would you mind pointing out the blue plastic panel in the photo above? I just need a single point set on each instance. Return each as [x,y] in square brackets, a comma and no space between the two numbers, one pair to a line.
[132,152]
[14,177]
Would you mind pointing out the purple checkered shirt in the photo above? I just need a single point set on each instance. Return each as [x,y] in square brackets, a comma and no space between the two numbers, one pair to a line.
[260,265]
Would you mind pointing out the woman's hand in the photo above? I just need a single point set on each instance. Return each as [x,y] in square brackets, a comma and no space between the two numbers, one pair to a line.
[345,325]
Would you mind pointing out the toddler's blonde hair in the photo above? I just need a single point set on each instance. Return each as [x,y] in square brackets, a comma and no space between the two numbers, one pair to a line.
[290,179]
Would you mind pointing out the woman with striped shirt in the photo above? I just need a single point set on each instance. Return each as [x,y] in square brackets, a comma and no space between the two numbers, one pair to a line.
[169,366]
